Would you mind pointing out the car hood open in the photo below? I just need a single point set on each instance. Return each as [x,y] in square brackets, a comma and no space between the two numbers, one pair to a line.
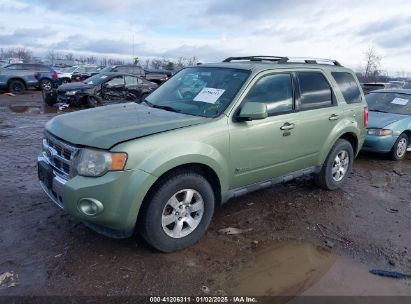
[104,127]
[378,120]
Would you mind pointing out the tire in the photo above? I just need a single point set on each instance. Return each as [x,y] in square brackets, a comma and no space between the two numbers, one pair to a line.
[93,101]
[399,149]
[334,171]
[49,97]
[16,87]
[160,223]
[46,84]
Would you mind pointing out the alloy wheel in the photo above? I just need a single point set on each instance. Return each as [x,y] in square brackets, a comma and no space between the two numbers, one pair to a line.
[182,213]
[340,165]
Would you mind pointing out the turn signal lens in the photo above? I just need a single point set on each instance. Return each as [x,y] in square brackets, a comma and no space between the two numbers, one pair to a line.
[118,161]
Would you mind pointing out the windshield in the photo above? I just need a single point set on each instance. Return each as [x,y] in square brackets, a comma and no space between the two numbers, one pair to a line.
[389,102]
[106,69]
[96,79]
[200,91]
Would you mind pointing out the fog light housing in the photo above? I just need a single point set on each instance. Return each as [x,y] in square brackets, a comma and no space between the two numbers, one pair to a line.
[90,206]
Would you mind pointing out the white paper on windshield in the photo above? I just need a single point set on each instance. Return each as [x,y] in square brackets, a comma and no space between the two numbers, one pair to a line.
[209,95]
[104,76]
[400,101]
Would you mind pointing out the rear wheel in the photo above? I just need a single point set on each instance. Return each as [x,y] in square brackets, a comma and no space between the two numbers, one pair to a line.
[337,166]
[399,149]
[178,212]
[16,86]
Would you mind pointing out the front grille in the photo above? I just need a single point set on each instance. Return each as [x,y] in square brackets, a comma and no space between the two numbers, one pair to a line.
[60,155]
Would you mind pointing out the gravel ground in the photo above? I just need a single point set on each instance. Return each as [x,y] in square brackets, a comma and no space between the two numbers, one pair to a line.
[48,252]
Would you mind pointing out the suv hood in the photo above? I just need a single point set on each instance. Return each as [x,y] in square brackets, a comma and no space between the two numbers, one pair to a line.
[378,120]
[107,126]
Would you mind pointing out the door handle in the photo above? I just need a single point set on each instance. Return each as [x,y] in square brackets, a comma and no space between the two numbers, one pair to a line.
[287,126]
[334,117]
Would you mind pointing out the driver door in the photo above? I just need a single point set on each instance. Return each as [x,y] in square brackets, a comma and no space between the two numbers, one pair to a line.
[263,149]
[114,89]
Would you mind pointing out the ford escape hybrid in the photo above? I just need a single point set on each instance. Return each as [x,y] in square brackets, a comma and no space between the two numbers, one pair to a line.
[209,134]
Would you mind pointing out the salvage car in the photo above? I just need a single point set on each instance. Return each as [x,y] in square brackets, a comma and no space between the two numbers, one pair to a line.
[102,88]
[389,125]
[46,76]
[125,68]
[17,81]
[209,134]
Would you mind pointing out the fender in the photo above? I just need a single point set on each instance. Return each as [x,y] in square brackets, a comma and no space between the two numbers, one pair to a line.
[170,157]
[344,126]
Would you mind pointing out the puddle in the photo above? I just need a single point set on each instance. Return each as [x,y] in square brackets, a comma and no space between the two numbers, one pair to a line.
[284,269]
[289,269]
[38,109]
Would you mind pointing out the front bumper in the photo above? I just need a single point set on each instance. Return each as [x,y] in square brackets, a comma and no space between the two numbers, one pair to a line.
[381,144]
[121,194]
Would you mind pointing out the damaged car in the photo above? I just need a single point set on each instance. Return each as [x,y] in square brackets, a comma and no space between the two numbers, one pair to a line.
[101,89]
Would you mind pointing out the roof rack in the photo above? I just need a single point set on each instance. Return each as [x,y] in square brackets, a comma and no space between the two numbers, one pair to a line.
[255,58]
[310,61]
[282,60]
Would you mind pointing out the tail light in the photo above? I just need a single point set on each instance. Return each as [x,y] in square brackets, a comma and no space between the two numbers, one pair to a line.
[365,117]
[55,75]
[36,75]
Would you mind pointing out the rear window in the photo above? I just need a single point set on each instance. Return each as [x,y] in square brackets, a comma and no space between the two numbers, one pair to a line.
[348,86]
[315,91]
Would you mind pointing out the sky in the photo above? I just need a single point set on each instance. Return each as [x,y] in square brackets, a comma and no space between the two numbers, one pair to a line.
[213,29]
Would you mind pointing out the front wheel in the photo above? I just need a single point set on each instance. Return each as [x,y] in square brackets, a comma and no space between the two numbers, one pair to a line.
[46,85]
[400,147]
[337,166]
[177,212]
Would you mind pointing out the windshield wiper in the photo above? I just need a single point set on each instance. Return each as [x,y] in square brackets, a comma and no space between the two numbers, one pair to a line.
[166,108]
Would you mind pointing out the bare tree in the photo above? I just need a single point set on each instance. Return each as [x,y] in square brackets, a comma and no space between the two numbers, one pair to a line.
[52,55]
[69,56]
[22,53]
[372,65]
[156,63]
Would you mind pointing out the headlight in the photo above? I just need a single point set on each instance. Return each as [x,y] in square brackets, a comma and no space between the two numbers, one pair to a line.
[92,162]
[71,93]
[379,132]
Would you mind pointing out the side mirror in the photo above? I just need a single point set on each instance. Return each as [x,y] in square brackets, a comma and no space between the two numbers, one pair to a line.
[253,111]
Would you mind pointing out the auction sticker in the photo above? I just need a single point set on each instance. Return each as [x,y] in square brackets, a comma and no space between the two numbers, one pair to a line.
[400,101]
[209,95]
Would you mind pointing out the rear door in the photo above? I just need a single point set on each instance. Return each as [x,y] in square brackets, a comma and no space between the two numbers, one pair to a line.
[318,114]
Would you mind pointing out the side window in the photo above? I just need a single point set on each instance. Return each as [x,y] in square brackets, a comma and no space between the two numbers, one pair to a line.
[348,86]
[14,67]
[81,70]
[314,90]
[116,81]
[121,69]
[274,90]
[130,80]
[139,80]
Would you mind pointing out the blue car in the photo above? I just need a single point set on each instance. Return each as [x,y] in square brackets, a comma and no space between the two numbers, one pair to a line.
[389,122]
[46,76]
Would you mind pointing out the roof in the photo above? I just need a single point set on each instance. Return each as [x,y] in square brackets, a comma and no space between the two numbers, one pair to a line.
[263,66]
[399,91]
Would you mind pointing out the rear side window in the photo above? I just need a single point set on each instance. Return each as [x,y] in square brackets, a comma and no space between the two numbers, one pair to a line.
[276,91]
[348,86]
[315,92]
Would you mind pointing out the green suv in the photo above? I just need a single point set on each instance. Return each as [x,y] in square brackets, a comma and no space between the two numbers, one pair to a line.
[211,133]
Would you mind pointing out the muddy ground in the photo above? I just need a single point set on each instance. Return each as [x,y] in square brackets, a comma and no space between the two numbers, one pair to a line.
[280,252]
